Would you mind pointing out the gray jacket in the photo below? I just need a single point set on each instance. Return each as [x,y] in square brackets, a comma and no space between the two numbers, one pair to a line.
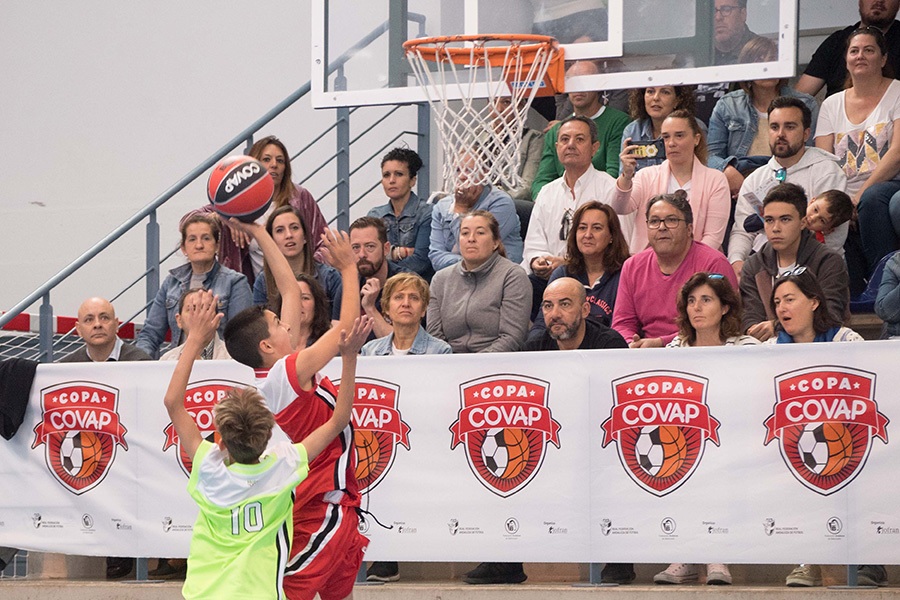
[483,310]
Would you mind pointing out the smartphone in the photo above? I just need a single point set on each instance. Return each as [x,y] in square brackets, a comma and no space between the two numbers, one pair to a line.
[649,149]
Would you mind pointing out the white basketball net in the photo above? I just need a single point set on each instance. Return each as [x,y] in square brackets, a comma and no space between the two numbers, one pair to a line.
[480,144]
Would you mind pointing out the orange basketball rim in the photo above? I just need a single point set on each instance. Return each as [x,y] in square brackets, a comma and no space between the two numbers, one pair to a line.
[517,54]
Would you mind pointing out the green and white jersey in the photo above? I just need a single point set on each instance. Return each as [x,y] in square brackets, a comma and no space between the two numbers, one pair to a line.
[242,536]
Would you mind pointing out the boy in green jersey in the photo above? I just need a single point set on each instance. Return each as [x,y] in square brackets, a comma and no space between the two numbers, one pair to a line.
[242,536]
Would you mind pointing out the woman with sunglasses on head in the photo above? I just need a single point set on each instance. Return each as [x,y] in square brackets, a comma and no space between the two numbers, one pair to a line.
[861,125]
[799,304]
[709,314]
[685,169]
[237,250]
[803,317]
[595,252]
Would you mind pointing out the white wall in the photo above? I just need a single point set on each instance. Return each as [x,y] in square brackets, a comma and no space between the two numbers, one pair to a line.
[105,104]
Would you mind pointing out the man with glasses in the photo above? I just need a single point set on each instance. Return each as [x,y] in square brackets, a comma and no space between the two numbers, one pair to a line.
[551,220]
[790,245]
[813,169]
[645,303]
[730,35]
[828,66]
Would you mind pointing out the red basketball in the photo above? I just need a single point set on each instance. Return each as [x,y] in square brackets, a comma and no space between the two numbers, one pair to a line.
[240,186]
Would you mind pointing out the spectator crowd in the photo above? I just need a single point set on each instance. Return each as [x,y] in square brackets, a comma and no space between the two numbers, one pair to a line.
[760,217]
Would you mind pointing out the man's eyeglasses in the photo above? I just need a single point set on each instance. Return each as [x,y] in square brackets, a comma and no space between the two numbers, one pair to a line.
[780,175]
[671,222]
[726,10]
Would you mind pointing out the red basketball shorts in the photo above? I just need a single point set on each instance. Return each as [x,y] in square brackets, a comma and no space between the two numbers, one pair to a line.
[326,552]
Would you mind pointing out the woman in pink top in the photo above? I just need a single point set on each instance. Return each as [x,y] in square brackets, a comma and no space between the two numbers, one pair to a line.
[684,168]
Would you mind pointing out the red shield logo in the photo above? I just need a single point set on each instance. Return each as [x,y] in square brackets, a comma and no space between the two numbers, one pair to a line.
[80,430]
[199,400]
[378,428]
[825,418]
[660,422]
[505,424]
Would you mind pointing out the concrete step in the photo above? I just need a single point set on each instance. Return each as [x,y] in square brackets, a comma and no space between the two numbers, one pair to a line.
[92,590]
[59,566]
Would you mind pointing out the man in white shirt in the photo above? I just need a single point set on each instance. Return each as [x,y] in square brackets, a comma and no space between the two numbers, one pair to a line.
[814,170]
[551,220]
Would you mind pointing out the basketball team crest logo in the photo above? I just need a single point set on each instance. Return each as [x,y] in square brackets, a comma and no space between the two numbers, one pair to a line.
[660,422]
[80,429]
[504,425]
[199,400]
[825,419]
[377,429]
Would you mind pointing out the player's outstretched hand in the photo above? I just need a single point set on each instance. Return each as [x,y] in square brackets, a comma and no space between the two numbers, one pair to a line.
[200,316]
[351,342]
[337,250]
[251,230]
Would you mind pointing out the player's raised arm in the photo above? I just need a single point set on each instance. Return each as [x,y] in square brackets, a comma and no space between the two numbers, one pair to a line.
[338,253]
[281,272]
[199,314]
[349,345]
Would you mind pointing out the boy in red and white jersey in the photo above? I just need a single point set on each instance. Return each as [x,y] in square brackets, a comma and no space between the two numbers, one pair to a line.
[327,548]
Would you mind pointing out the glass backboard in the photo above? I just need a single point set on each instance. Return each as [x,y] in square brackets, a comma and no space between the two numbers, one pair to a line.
[357,55]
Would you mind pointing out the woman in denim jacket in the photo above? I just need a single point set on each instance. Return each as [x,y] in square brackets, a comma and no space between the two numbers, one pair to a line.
[406,217]
[200,243]
[734,123]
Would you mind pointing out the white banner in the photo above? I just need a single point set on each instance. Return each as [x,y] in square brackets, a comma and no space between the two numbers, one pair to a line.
[737,455]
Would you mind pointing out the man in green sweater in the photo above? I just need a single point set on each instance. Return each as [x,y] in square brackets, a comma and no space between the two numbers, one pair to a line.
[610,124]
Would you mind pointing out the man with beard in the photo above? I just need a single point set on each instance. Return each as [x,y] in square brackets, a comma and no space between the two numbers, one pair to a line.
[368,240]
[828,65]
[813,169]
[566,311]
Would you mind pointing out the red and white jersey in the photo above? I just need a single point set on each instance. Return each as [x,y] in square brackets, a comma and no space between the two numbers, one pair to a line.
[332,475]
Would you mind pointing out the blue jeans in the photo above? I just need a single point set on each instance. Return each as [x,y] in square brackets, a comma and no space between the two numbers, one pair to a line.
[879,221]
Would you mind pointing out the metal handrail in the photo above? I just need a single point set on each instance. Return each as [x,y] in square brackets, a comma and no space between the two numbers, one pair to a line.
[244,136]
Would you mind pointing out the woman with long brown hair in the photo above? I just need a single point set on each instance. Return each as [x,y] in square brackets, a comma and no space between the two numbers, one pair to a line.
[288,228]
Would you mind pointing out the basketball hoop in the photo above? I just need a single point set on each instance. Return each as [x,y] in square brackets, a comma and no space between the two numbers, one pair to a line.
[481,144]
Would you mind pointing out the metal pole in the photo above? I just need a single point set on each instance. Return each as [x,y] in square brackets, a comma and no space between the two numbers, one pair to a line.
[343,168]
[46,330]
[423,127]
[152,257]
[398,25]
